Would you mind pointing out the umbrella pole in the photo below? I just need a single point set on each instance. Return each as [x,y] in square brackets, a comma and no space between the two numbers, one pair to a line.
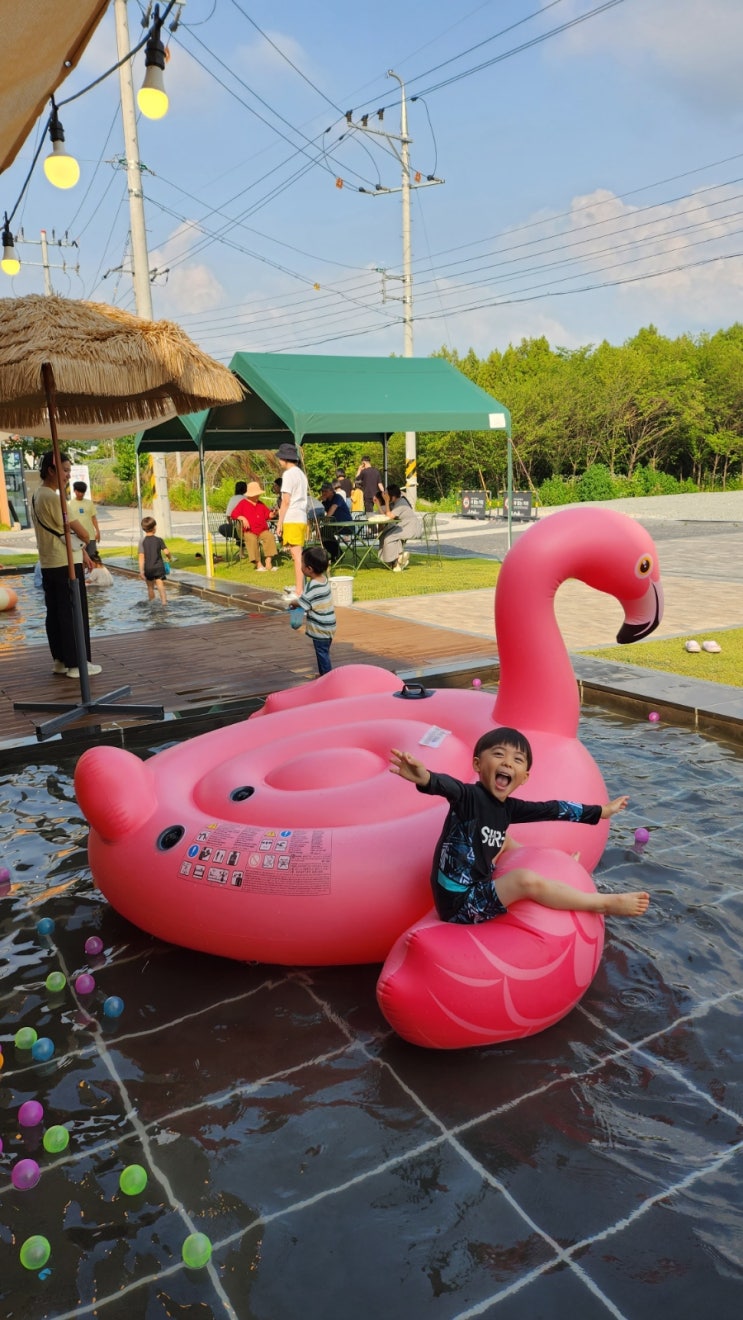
[88,706]
[208,551]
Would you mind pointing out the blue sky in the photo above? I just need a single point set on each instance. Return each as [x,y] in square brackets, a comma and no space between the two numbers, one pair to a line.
[601,154]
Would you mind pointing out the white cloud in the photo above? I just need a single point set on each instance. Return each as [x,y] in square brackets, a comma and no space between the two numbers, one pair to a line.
[189,287]
[260,61]
[691,46]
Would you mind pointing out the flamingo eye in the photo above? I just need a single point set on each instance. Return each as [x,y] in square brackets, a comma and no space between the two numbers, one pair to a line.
[644,566]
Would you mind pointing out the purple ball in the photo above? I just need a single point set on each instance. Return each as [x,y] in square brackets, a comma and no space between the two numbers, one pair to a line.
[85,983]
[642,835]
[30,1113]
[477,682]
[24,1175]
[5,878]
[94,945]
[654,717]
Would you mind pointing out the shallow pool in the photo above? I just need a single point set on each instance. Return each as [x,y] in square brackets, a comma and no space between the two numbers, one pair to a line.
[591,1171]
[124,607]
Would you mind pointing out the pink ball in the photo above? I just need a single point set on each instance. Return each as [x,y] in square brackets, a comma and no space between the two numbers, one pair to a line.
[24,1175]
[642,835]
[30,1113]
[85,983]
[94,945]
[477,682]
[654,717]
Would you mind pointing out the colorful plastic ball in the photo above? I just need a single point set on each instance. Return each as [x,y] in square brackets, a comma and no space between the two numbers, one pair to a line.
[113,1007]
[56,1139]
[30,1113]
[5,879]
[24,1175]
[93,946]
[196,1251]
[55,982]
[45,926]
[35,1252]
[8,599]
[25,1037]
[42,1049]
[477,682]
[642,835]
[133,1179]
[85,983]
[654,717]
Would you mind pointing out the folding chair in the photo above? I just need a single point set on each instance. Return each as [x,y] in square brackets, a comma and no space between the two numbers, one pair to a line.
[430,534]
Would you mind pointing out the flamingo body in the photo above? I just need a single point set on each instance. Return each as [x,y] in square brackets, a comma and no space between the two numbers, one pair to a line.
[285,839]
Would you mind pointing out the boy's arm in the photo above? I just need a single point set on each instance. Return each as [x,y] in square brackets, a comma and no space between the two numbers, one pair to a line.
[284,505]
[96,528]
[141,563]
[406,766]
[611,808]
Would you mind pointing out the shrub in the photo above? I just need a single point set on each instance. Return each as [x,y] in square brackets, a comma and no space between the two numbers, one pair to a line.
[556,490]
[597,483]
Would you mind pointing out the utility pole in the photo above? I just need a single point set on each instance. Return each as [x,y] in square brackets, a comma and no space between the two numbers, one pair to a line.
[406,185]
[140,255]
[42,242]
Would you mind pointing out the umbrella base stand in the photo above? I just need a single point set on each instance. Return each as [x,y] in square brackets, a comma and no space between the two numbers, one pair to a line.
[105,705]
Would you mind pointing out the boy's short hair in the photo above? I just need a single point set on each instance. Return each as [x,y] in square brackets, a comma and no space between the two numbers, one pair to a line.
[148,524]
[394,492]
[505,738]
[241,487]
[316,558]
[80,485]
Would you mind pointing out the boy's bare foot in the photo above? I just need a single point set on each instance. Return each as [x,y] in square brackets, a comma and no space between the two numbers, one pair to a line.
[626,905]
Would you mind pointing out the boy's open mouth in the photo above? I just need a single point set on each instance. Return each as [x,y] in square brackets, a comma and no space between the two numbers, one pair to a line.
[502,780]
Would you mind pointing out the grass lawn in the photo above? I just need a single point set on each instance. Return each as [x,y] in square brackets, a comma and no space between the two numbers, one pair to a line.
[670,657]
[424,577]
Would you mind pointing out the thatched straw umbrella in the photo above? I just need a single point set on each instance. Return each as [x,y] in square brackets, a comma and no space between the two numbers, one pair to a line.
[77,370]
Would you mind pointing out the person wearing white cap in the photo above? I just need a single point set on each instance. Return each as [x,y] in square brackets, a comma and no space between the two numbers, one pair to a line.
[253,515]
[292,521]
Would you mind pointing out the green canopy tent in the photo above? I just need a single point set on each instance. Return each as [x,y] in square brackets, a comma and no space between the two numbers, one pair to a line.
[312,398]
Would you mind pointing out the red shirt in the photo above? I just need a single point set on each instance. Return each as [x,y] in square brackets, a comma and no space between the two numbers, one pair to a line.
[255,514]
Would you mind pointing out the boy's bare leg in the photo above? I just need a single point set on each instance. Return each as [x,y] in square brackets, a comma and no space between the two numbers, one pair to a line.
[521,883]
[150,590]
[161,591]
[296,553]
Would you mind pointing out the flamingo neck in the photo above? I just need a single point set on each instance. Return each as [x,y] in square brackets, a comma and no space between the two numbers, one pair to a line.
[537,686]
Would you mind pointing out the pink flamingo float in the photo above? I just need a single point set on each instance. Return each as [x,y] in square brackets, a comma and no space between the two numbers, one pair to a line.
[285,839]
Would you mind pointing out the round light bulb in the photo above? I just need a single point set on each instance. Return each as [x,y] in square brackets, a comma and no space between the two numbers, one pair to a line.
[10,264]
[152,97]
[60,169]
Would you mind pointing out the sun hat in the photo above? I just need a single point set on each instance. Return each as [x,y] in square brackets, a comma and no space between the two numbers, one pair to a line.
[254,489]
[288,453]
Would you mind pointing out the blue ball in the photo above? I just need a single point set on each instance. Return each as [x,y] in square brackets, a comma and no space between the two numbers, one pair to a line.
[45,926]
[113,1007]
[42,1049]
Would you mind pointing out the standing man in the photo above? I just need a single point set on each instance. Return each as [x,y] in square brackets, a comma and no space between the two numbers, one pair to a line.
[291,524]
[371,483]
[83,511]
[47,514]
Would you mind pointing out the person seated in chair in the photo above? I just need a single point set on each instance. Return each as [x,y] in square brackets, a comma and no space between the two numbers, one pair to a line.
[336,510]
[232,503]
[404,525]
[252,516]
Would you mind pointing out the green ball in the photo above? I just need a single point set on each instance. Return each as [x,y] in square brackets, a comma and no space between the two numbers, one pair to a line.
[56,1138]
[35,1252]
[25,1037]
[196,1251]
[55,982]
[133,1180]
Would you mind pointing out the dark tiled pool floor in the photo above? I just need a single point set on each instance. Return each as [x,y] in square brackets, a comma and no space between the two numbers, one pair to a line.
[589,1171]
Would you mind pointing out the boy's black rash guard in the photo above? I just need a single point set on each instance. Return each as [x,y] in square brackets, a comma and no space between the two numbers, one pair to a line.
[474,833]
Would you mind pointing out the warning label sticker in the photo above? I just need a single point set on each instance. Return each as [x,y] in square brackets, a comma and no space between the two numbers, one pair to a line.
[287,863]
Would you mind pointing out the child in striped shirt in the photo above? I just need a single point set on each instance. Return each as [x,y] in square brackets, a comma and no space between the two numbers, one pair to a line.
[317,602]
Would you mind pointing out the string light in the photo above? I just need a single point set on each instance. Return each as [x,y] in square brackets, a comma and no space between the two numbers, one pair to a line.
[10,263]
[152,97]
[61,169]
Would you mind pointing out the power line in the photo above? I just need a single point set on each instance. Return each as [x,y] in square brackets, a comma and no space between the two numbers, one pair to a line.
[285,57]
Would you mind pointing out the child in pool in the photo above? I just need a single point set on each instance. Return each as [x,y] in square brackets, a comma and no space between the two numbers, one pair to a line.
[474,834]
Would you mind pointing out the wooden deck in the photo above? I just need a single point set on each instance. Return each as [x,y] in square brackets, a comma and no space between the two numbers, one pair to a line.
[190,670]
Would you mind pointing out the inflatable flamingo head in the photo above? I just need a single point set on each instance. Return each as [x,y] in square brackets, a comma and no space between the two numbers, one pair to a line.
[609,552]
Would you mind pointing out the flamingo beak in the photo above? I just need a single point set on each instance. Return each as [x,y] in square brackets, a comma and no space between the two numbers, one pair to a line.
[642,616]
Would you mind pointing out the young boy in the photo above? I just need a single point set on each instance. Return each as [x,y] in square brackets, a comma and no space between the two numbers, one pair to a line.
[474,834]
[151,566]
[317,602]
